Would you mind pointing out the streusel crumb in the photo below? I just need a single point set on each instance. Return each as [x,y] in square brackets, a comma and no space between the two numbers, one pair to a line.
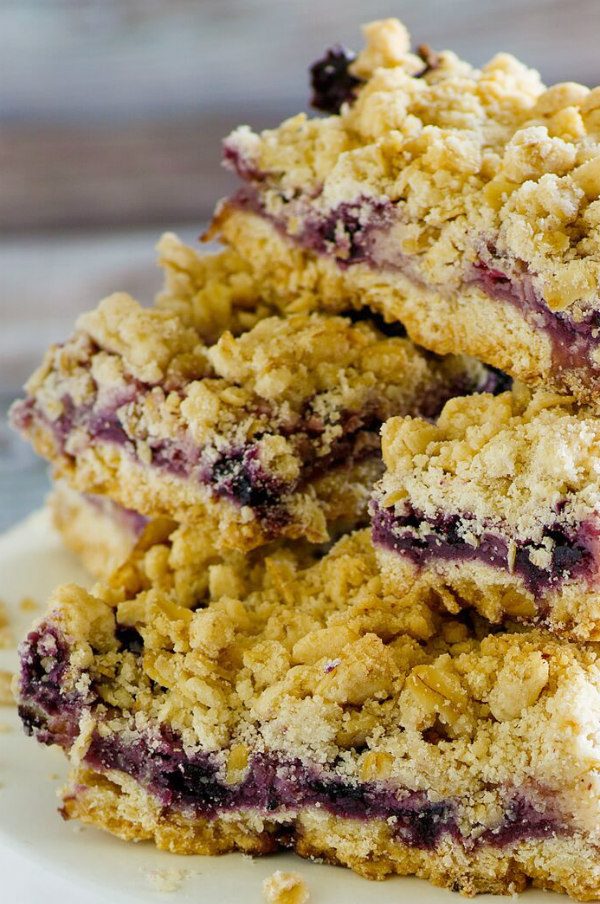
[264,433]
[495,506]
[285,888]
[318,710]
[461,201]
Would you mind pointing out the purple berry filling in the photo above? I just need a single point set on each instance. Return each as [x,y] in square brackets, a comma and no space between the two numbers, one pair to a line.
[572,342]
[46,709]
[331,82]
[573,553]
[354,232]
[240,163]
[348,232]
[281,787]
[522,820]
[333,85]
[234,473]
[237,475]
[272,785]
[194,784]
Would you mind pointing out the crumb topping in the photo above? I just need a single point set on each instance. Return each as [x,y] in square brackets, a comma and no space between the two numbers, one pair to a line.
[251,428]
[147,340]
[307,374]
[319,661]
[519,459]
[467,159]
[209,292]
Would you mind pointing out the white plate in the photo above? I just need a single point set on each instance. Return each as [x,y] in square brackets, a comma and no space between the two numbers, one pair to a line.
[40,855]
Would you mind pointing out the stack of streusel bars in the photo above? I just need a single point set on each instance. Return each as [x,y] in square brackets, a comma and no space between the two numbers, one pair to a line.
[340,485]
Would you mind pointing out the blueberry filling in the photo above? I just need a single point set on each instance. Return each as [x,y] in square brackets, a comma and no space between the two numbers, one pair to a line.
[272,785]
[351,234]
[572,554]
[237,475]
[240,163]
[194,783]
[572,341]
[331,82]
[333,85]
[348,229]
[521,820]
[46,709]
[234,472]
[231,472]
[277,786]
[348,232]
[106,427]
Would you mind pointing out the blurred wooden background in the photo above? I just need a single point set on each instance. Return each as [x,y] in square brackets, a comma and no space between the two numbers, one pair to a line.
[111,118]
[112,111]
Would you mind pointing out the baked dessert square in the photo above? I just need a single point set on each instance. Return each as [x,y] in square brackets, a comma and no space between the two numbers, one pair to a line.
[463,202]
[269,430]
[496,506]
[290,701]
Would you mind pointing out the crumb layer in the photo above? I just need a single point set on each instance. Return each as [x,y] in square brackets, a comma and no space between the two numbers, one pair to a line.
[288,697]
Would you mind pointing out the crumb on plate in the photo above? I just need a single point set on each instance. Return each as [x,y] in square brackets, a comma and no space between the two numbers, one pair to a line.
[285,888]
[166,880]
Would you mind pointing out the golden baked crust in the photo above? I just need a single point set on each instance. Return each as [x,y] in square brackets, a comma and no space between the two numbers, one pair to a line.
[122,808]
[296,278]
[269,432]
[280,666]
[496,506]
[455,186]
[102,533]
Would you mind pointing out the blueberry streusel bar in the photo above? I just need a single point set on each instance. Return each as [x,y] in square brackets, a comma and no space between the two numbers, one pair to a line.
[463,202]
[284,702]
[496,506]
[271,432]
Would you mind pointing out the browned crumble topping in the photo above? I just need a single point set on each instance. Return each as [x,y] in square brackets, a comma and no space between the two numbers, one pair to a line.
[515,466]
